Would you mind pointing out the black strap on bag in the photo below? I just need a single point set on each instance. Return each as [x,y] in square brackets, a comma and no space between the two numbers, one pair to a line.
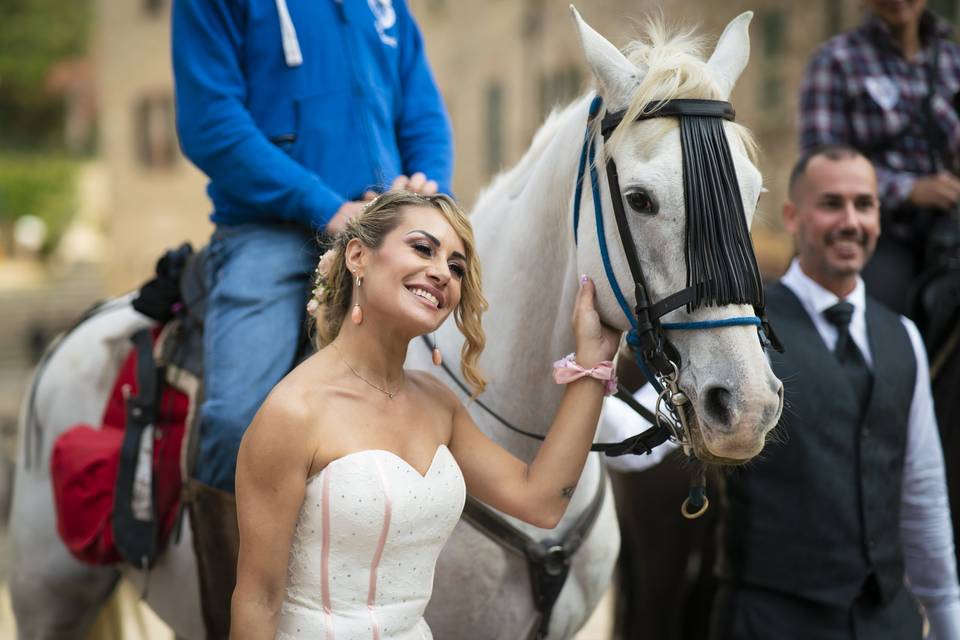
[135,527]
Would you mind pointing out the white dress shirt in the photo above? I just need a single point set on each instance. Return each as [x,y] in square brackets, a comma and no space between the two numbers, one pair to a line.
[925,529]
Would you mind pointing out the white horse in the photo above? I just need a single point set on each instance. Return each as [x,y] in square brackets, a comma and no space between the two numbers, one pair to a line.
[524,230]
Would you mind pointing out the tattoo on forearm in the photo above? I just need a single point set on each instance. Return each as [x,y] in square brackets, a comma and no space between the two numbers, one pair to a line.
[567,492]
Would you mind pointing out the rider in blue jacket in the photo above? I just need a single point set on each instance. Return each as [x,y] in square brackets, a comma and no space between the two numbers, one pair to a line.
[296,110]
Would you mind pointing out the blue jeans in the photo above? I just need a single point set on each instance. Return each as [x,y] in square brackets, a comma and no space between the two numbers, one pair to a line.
[258,278]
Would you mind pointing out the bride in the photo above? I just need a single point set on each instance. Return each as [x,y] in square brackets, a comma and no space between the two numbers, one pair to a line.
[353,473]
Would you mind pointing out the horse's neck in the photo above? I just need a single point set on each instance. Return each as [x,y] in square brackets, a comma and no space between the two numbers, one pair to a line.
[525,241]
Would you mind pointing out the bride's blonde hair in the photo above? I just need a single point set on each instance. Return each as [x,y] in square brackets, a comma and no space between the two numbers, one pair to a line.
[334,284]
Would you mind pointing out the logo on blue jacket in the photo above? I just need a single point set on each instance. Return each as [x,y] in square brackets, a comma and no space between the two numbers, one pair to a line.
[385,18]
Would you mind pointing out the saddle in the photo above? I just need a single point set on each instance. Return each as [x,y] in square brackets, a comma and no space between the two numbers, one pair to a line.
[117,485]
[109,510]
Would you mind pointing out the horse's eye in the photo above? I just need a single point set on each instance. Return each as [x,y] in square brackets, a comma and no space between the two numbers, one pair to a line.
[642,202]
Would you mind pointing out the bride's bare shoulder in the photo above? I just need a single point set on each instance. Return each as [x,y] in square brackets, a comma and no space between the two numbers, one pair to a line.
[299,399]
[434,388]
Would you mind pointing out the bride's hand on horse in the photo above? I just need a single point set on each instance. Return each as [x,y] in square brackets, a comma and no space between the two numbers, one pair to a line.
[418,183]
[538,492]
[596,341]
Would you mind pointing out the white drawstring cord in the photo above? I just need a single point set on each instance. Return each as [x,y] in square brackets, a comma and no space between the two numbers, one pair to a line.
[291,46]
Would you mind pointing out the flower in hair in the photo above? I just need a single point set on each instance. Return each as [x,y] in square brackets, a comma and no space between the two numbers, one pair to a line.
[326,263]
[320,278]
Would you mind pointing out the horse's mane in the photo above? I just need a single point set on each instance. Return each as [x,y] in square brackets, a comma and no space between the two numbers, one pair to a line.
[514,180]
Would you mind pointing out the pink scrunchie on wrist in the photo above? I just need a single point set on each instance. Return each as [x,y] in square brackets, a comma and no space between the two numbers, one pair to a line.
[567,370]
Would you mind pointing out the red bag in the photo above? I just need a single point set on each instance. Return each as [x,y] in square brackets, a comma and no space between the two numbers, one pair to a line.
[85,462]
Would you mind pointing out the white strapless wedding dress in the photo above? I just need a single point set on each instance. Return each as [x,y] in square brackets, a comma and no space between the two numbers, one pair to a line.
[365,547]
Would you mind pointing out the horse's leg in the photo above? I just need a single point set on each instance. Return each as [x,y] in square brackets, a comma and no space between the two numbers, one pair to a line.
[662,554]
[945,385]
[590,574]
[60,609]
[172,587]
[53,595]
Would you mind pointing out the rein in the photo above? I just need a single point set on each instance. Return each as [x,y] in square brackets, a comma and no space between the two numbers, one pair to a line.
[643,442]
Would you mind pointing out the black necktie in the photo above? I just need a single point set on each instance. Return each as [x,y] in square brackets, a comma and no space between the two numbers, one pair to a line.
[851,360]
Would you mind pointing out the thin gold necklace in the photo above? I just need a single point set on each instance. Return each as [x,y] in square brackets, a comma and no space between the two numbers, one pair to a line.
[389,394]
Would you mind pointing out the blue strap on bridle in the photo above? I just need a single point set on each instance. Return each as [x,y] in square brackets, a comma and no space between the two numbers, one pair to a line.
[587,144]
[588,155]
[712,324]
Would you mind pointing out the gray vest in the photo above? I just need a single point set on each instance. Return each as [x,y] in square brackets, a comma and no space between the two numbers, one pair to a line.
[818,512]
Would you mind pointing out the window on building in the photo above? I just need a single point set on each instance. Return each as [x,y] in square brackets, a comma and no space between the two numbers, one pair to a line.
[154,131]
[533,19]
[771,92]
[833,17]
[773,27]
[154,7]
[436,6]
[494,128]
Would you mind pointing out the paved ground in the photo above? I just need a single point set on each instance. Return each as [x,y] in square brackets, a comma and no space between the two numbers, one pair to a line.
[127,619]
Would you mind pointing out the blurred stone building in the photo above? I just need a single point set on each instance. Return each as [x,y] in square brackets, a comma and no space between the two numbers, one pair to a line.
[501,65]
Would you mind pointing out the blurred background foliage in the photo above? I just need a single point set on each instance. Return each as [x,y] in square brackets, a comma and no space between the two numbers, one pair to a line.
[38,184]
[34,36]
[37,164]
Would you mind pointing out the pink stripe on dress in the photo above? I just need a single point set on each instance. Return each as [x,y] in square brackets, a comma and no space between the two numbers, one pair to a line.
[325,557]
[374,565]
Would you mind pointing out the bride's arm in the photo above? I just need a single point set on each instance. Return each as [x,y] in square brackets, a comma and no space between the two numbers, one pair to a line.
[272,469]
[538,493]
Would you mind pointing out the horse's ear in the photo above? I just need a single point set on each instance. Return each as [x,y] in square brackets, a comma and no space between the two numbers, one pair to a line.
[618,77]
[733,50]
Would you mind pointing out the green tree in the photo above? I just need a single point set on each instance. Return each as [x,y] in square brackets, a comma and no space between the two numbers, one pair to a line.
[42,185]
[34,35]
[37,176]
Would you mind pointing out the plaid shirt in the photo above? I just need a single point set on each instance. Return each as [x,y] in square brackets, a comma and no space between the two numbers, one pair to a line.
[860,90]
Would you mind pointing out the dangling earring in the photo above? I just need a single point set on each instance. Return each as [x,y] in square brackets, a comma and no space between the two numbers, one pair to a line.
[437,356]
[357,314]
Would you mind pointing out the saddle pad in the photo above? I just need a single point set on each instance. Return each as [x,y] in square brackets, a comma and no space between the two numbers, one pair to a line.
[84,465]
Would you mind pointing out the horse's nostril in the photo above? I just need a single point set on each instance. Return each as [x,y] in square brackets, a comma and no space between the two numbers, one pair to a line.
[717,403]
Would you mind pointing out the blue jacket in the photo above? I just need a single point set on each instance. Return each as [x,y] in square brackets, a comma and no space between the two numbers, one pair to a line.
[293,107]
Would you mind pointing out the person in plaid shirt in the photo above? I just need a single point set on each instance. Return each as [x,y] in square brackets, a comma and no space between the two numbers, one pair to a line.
[889,89]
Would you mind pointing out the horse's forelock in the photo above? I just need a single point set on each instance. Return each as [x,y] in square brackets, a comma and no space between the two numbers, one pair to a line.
[676,68]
